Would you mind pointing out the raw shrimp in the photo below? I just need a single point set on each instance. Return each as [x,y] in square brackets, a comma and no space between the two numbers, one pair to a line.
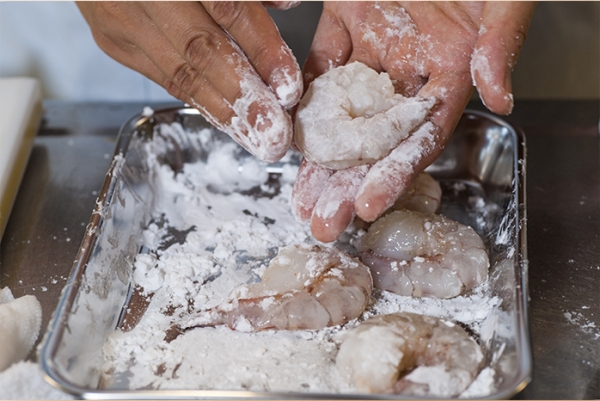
[424,195]
[375,355]
[351,116]
[304,287]
[423,255]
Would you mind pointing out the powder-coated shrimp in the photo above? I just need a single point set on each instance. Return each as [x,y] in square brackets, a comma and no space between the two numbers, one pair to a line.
[304,287]
[351,116]
[423,255]
[424,195]
[375,355]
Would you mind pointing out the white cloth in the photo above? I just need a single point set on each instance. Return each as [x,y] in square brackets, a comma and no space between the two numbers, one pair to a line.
[52,42]
[20,321]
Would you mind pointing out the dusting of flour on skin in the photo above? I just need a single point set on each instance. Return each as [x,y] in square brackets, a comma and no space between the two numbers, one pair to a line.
[342,187]
[400,26]
[209,233]
[390,172]
[288,84]
[480,67]
[260,125]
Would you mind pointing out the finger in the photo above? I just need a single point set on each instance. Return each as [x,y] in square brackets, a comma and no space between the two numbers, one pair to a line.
[389,47]
[334,210]
[309,185]
[501,36]
[256,33]
[331,46]
[281,5]
[390,177]
[452,89]
[195,50]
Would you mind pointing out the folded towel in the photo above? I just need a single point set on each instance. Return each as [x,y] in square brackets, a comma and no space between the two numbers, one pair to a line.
[20,322]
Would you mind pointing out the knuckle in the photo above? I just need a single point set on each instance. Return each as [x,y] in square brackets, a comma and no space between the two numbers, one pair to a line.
[225,13]
[198,49]
[184,79]
[172,89]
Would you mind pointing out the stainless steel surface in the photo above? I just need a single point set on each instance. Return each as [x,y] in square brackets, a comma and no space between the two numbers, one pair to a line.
[485,156]
[72,154]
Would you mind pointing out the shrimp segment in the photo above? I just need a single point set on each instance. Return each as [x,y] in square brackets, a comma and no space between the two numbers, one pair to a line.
[304,287]
[423,255]
[375,355]
[424,195]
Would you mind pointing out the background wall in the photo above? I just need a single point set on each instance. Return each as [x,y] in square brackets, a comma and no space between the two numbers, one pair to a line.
[561,55]
[51,41]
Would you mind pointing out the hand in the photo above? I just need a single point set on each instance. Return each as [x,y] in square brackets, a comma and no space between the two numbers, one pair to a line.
[430,49]
[225,58]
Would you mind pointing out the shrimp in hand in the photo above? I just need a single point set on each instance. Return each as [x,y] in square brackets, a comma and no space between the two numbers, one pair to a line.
[304,287]
[351,115]
[423,255]
[441,357]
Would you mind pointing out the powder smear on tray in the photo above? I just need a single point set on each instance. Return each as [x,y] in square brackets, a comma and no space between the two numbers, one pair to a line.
[215,224]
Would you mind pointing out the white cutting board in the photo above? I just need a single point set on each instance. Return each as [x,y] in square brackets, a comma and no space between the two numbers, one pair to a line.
[20,114]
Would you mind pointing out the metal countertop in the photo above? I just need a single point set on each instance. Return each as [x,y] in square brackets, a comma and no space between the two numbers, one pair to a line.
[75,143]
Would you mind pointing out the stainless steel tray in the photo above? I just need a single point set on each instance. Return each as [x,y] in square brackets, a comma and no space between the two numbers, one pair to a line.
[485,153]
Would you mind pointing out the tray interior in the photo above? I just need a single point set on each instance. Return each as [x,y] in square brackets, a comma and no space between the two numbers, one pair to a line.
[482,164]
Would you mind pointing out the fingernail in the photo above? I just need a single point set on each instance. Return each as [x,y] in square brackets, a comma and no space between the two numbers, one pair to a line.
[287,84]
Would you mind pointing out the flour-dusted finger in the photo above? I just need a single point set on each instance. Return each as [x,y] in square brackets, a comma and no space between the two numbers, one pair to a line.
[501,36]
[308,187]
[330,48]
[391,176]
[334,210]
[254,31]
[258,122]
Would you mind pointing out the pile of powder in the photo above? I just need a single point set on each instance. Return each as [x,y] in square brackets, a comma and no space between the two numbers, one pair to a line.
[25,381]
[216,224]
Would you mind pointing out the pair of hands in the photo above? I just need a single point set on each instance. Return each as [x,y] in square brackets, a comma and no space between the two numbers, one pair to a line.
[228,60]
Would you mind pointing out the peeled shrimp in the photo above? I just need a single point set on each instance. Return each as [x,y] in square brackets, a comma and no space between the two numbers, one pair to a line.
[304,287]
[351,116]
[424,195]
[423,255]
[375,355]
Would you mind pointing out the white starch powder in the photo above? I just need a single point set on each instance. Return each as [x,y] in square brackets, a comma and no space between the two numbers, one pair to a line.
[209,234]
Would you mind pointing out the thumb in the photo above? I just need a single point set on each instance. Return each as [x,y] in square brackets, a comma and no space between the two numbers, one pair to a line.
[502,33]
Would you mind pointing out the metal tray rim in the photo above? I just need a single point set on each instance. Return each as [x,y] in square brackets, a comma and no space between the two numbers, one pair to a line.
[56,326]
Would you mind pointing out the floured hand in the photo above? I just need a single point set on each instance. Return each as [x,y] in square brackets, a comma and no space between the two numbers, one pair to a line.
[225,58]
[427,49]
